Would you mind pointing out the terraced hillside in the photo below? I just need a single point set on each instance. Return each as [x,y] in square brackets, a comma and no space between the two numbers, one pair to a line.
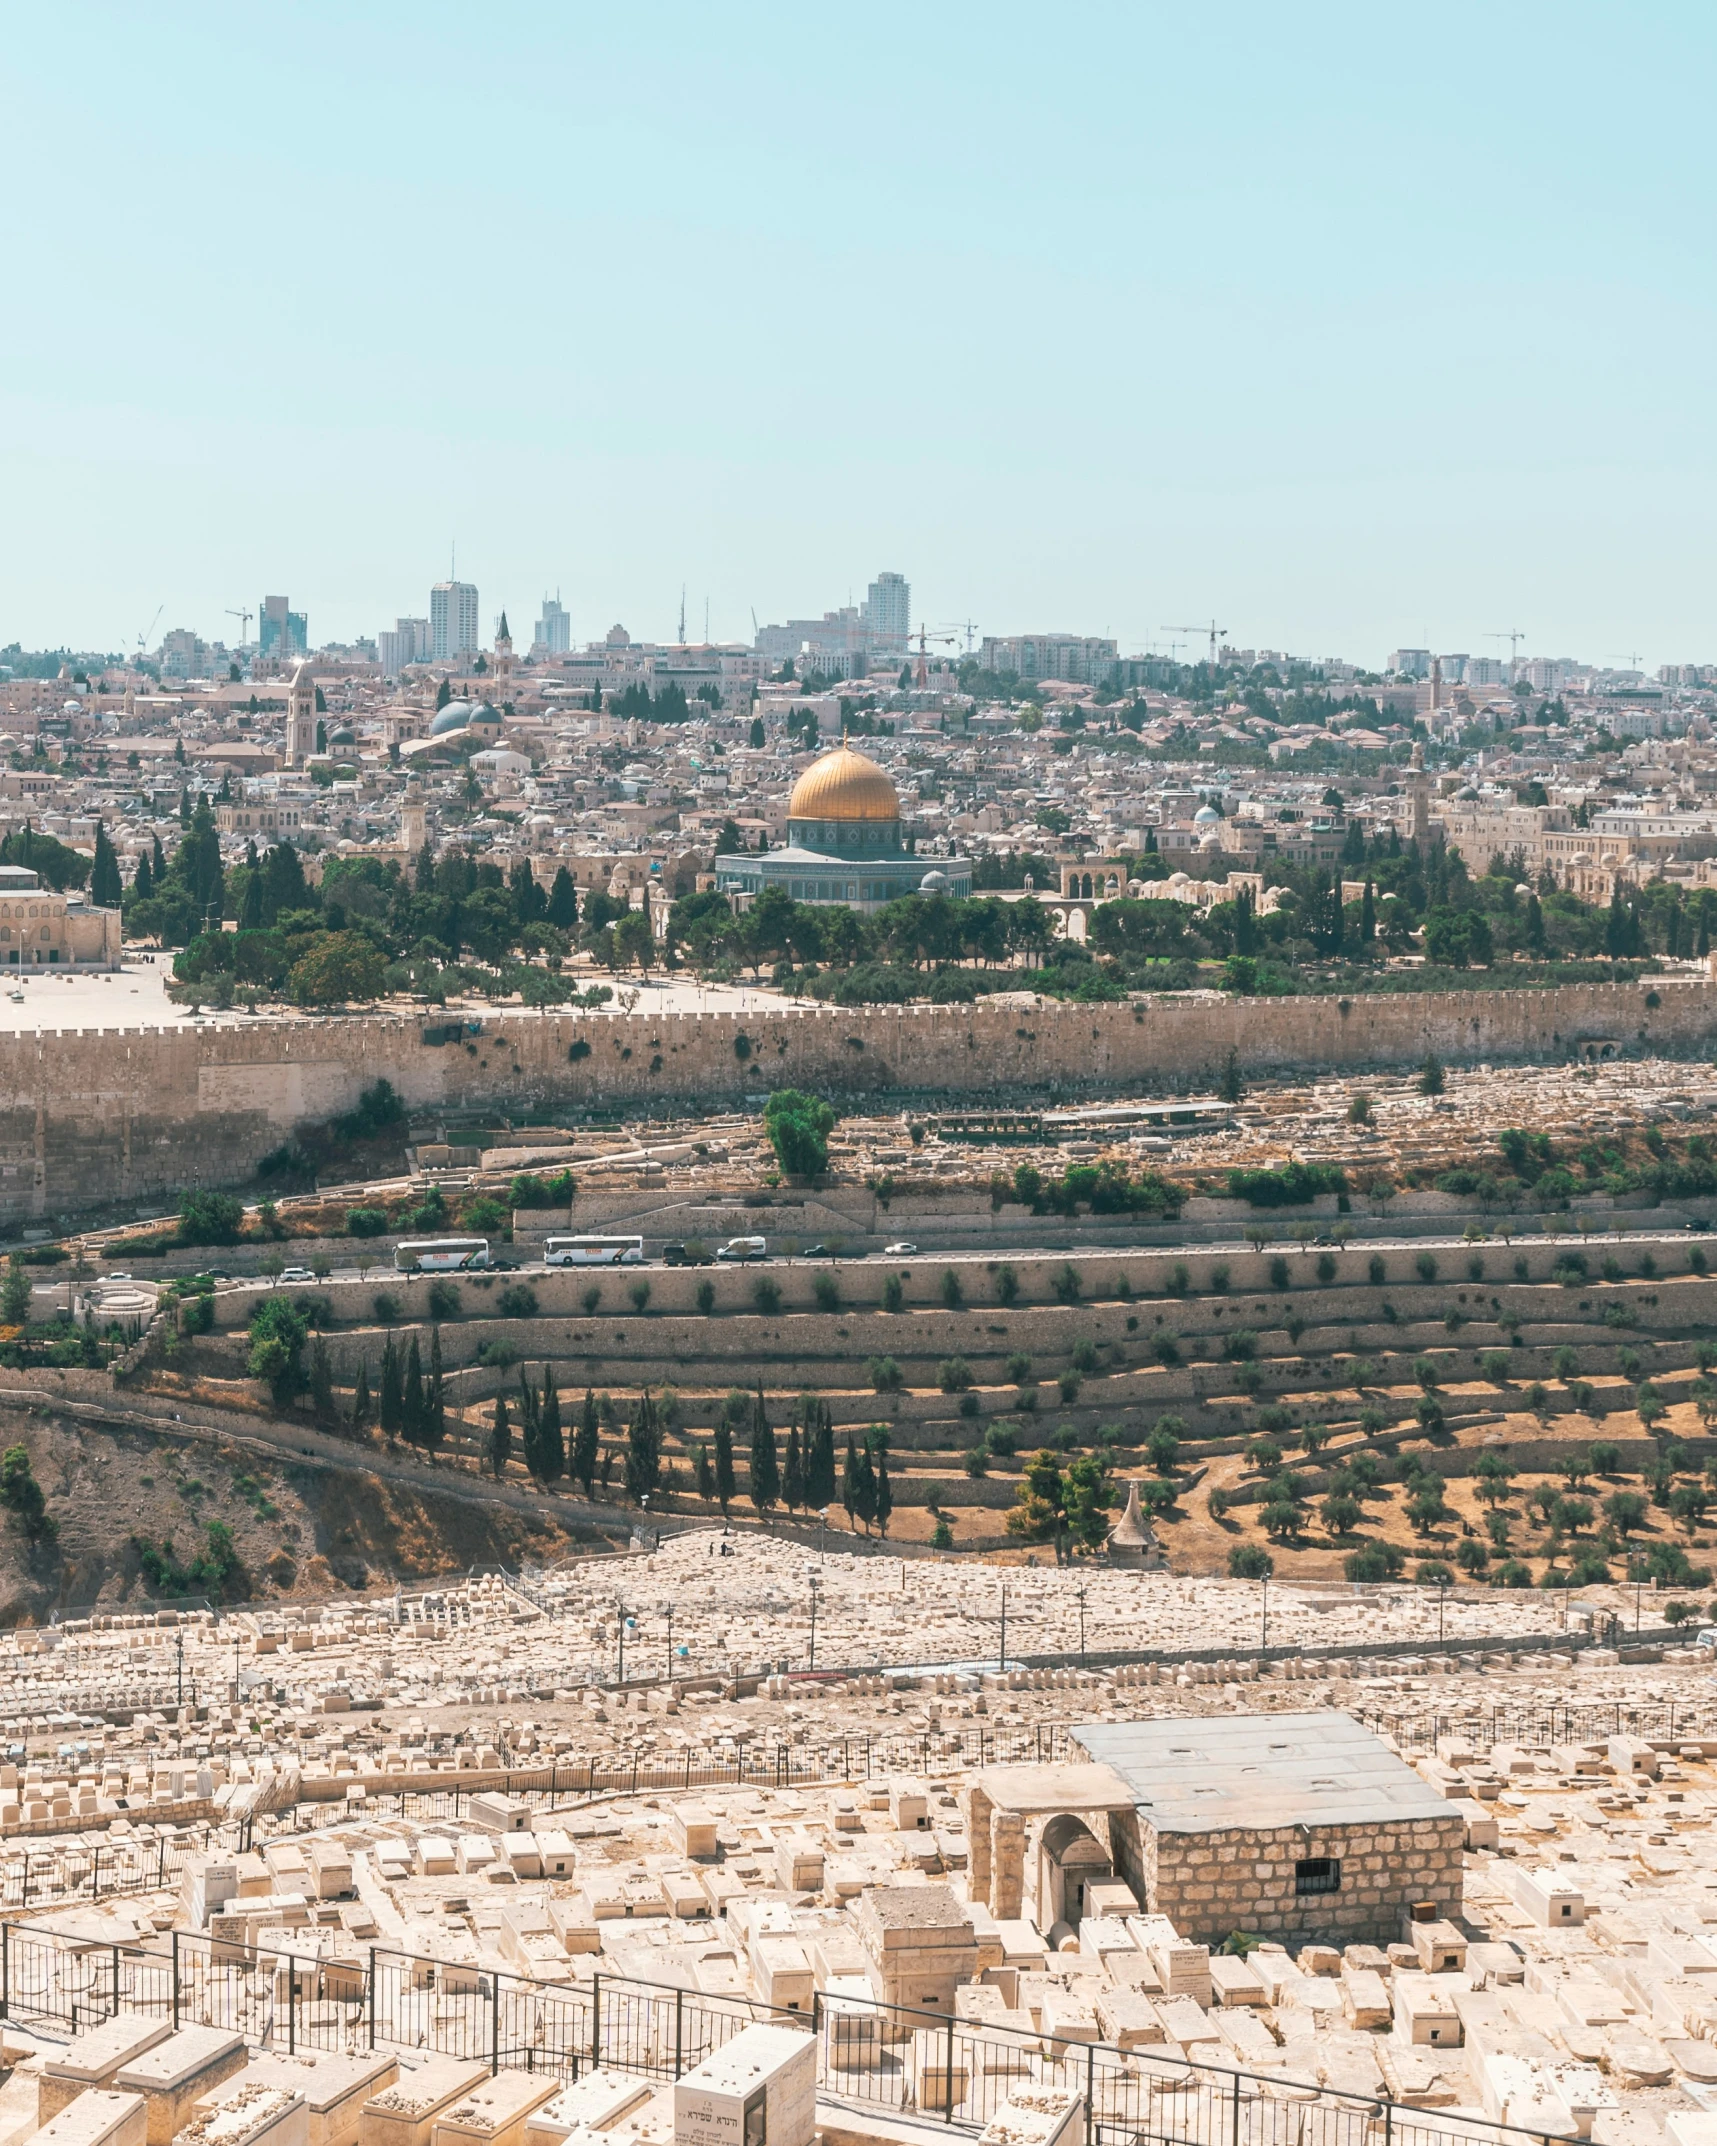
[1501,1411]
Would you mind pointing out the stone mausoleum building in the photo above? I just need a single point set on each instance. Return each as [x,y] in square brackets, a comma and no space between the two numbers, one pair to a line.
[1299,1827]
[845,844]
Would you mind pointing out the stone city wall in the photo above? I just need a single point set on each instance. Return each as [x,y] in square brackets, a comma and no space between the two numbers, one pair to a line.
[112,1118]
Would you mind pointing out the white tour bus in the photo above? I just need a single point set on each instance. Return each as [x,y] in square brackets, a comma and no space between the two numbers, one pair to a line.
[441,1255]
[593,1252]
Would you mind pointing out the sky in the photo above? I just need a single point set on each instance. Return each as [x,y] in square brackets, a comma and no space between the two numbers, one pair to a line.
[1345,327]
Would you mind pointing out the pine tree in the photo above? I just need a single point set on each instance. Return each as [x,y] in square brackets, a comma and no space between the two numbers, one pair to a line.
[587,1444]
[793,1472]
[392,1395]
[563,900]
[765,1467]
[1231,1087]
[819,1456]
[362,1405]
[551,1444]
[725,1480]
[643,1449]
[413,1408]
[500,1440]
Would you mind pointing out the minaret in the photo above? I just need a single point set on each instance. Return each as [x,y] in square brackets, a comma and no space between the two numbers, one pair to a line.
[413,831]
[503,664]
[1419,790]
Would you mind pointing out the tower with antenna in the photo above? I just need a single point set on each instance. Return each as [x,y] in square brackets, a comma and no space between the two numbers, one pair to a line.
[682,614]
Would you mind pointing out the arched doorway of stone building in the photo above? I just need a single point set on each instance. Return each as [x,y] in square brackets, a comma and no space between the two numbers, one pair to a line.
[1069,1858]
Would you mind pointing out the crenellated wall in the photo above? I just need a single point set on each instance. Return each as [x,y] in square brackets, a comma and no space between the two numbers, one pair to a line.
[109,1118]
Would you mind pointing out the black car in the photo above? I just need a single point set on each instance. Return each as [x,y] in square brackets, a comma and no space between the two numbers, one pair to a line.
[675,1255]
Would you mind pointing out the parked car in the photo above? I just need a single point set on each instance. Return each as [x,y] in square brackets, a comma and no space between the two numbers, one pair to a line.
[296,1274]
[902,1250]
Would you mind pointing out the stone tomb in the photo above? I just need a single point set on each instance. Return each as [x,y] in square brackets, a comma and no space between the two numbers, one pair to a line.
[1294,1826]
[760,2089]
[95,2059]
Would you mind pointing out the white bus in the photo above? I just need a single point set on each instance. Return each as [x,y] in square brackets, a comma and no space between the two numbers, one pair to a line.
[593,1252]
[441,1255]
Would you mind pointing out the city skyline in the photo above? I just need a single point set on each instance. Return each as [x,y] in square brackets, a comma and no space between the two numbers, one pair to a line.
[1343,335]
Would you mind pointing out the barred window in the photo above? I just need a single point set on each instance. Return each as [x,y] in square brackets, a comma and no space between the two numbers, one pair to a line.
[1318,1874]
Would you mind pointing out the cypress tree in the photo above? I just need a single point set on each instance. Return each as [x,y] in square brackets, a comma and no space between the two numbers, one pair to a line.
[850,1481]
[1367,917]
[142,880]
[563,900]
[725,1480]
[392,1398]
[435,1402]
[587,1444]
[413,1408]
[819,1456]
[500,1439]
[765,1468]
[793,1472]
[104,883]
[882,1494]
[643,1449]
[529,1413]
[362,1405]
[550,1443]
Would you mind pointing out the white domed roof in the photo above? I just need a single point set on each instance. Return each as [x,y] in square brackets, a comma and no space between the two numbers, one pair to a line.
[1205,815]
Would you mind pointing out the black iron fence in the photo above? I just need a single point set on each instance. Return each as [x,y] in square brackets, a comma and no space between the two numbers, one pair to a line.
[332,1994]
[64,1872]
[1671,1720]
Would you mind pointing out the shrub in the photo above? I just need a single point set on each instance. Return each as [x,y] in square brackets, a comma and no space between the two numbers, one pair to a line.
[517,1301]
[826,1290]
[366,1222]
[210,1218]
[1218,1502]
[1165,1347]
[1375,1270]
[893,1293]
[591,1298]
[1000,1441]
[1494,1364]
[953,1296]
[706,1297]
[1425,1266]
[1326,1266]
[1178,1280]
[1007,1283]
[1068,1384]
[1374,1561]
[1019,1368]
[387,1308]
[1279,1274]
[1248,1377]
[970,1405]
[485,1213]
[1085,1360]
[1247,1562]
[954,1374]
[766,1295]
[1220,1276]
[885,1374]
[444,1300]
[1472,1556]
[1241,1346]
[640,1295]
[1066,1284]
[1292,1185]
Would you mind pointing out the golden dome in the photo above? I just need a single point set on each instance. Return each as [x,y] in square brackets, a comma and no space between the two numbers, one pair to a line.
[843,785]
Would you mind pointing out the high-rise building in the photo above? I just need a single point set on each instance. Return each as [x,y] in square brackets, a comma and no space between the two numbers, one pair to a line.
[888,614]
[452,621]
[554,629]
[281,631]
[409,642]
[1410,662]
[1076,659]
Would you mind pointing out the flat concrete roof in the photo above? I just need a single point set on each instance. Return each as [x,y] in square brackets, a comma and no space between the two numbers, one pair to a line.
[1256,1770]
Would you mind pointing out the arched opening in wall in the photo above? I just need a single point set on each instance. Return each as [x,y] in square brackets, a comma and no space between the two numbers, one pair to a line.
[1069,1858]
[1076,924]
[1085,887]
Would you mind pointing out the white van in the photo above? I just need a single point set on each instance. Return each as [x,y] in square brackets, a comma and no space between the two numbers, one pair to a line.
[744,1248]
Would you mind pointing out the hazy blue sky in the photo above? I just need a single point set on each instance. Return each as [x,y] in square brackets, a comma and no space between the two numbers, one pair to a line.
[1357,325]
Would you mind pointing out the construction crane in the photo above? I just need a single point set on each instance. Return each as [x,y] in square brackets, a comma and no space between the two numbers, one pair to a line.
[245,618]
[1213,629]
[1514,636]
[143,637]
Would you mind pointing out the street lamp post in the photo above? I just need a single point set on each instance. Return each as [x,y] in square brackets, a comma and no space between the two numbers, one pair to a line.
[1264,1642]
[1004,1662]
[815,1586]
[668,1611]
[1080,1599]
[620,1673]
